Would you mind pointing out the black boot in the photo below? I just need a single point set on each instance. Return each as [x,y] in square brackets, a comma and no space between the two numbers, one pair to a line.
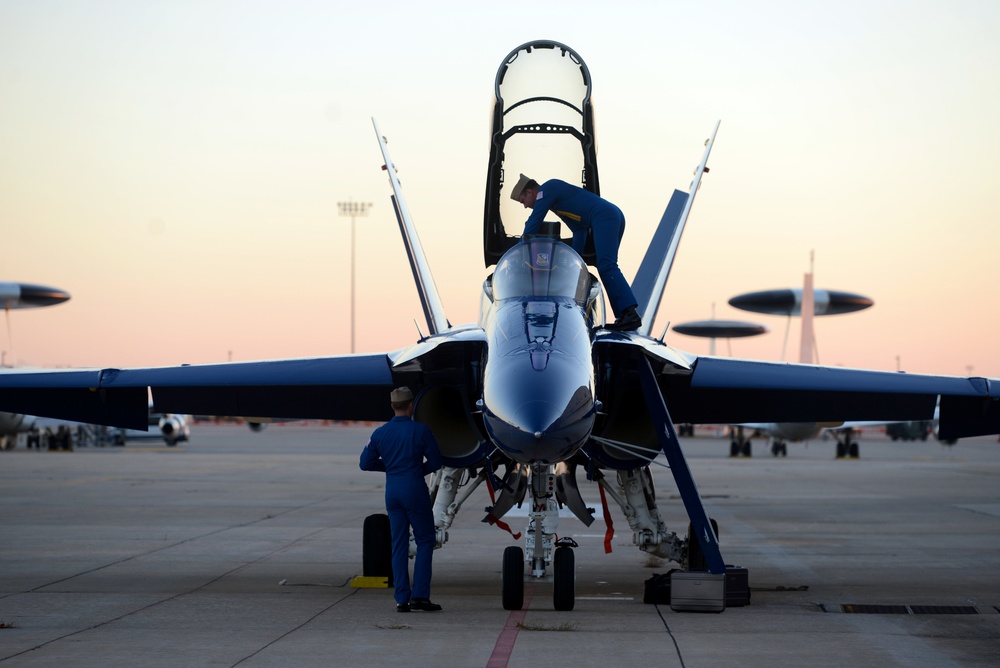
[423,604]
[628,321]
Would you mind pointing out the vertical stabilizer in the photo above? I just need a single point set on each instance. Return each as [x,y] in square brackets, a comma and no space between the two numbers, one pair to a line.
[806,351]
[651,278]
[430,300]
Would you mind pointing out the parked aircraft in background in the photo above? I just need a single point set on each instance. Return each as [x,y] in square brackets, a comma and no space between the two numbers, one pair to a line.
[791,302]
[17,296]
[12,424]
[173,428]
[14,296]
[806,303]
[537,388]
[720,329]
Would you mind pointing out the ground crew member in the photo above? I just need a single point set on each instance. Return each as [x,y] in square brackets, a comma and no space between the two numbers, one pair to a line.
[582,210]
[407,451]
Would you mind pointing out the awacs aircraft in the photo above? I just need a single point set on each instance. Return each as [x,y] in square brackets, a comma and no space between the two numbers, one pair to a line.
[807,303]
[537,396]
[16,296]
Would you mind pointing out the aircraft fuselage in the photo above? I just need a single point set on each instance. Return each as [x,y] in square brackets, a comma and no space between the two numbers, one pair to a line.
[538,384]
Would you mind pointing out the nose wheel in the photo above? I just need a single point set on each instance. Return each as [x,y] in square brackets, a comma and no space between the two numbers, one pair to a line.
[563,576]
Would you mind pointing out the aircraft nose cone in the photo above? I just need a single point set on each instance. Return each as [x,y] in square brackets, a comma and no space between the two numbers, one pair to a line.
[539,417]
[519,438]
[536,417]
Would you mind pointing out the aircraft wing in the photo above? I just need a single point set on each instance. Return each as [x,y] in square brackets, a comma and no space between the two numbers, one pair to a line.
[732,391]
[350,387]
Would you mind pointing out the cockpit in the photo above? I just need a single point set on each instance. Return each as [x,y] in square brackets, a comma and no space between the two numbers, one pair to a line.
[544,267]
[541,268]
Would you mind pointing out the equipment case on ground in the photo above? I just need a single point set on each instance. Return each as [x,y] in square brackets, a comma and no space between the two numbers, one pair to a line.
[697,591]
[657,588]
[737,587]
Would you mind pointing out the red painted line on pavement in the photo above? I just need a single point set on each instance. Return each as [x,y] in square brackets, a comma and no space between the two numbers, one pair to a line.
[505,643]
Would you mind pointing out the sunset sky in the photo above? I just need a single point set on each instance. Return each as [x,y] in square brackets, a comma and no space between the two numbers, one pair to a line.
[176,166]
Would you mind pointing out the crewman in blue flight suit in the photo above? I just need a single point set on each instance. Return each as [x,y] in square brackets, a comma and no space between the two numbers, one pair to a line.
[582,210]
[407,451]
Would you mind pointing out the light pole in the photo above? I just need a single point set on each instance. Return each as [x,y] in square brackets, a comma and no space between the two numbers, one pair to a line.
[354,210]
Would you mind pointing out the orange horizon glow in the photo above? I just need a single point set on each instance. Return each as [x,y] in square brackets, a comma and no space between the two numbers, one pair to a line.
[176,169]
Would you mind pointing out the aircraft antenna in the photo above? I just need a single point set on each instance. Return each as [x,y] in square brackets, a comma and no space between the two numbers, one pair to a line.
[665,331]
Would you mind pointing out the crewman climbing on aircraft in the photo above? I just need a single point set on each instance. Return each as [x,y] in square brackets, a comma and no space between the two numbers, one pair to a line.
[582,210]
[407,451]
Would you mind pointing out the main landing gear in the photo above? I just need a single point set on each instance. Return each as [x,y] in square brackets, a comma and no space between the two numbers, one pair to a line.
[513,578]
[739,443]
[376,547]
[847,445]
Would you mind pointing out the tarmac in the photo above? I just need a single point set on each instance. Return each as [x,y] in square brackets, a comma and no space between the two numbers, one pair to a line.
[238,548]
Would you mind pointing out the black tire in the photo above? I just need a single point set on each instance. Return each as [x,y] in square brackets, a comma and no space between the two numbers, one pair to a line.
[734,449]
[746,450]
[376,547]
[842,450]
[513,578]
[852,450]
[564,579]
[696,558]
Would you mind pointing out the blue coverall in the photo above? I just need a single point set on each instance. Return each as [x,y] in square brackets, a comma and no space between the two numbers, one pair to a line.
[400,448]
[582,210]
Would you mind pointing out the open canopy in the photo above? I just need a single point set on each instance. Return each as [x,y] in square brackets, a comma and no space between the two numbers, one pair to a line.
[543,127]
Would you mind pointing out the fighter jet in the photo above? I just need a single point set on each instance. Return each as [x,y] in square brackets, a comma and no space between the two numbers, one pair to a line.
[537,396]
